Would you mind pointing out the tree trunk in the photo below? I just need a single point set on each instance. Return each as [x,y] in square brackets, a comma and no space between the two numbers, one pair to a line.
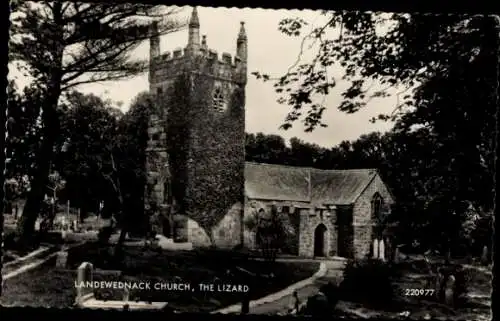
[50,119]
[26,224]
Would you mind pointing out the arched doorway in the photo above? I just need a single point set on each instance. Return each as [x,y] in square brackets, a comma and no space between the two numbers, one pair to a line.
[319,240]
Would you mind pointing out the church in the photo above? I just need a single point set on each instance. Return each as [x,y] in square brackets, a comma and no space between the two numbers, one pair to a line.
[199,182]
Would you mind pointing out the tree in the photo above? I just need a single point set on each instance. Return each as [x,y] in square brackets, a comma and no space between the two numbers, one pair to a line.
[64,44]
[23,130]
[89,131]
[441,70]
[412,49]
[262,148]
[133,140]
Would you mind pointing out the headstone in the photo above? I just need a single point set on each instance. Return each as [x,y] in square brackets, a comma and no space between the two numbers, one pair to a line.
[84,275]
[449,292]
[485,256]
[439,286]
[126,294]
[381,250]
[375,249]
[62,259]
[396,255]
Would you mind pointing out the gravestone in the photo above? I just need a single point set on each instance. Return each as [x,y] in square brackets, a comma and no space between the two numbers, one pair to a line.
[62,259]
[449,292]
[126,294]
[396,255]
[381,250]
[485,256]
[375,249]
[84,276]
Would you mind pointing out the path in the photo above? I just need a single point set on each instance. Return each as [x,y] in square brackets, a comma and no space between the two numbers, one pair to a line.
[28,262]
[333,274]
[32,260]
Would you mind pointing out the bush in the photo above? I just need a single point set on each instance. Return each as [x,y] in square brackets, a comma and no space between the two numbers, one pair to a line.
[331,292]
[318,306]
[368,281]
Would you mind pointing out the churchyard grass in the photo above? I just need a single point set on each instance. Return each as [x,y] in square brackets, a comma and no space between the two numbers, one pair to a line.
[49,286]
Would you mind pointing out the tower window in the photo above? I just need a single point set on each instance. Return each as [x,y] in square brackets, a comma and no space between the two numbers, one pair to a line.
[219,102]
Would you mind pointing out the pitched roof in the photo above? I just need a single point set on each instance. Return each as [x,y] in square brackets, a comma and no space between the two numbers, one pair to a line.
[303,184]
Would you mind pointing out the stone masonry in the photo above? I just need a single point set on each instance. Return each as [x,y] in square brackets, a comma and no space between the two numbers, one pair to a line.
[195,154]
[310,220]
[365,225]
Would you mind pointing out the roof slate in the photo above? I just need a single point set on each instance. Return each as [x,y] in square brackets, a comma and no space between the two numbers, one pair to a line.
[289,183]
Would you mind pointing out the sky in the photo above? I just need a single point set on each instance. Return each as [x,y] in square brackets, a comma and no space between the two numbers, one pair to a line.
[269,51]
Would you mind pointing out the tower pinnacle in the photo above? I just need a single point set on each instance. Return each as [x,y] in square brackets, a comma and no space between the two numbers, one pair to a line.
[194,22]
[242,35]
[241,43]
[194,32]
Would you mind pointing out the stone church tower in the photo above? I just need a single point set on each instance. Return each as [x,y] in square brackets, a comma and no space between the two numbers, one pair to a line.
[195,153]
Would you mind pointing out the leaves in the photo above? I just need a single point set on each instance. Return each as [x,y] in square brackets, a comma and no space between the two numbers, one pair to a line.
[393,51]
[96,39]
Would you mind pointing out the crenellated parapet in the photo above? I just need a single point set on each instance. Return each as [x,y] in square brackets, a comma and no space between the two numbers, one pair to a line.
[204,61]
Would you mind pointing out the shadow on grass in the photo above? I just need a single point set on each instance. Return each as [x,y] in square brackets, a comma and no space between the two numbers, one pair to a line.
[48,286]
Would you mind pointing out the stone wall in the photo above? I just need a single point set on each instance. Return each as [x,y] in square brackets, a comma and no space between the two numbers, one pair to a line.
[290,212]
[310,220]
[363,223]
[226,234]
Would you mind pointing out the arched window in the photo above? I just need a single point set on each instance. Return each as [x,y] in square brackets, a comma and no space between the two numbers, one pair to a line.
[219,101]
[377,204]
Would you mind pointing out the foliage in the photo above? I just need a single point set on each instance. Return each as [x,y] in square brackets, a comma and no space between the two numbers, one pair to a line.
[376,50]
[88,159]
[439,157]
[133,140]
[23,130]
[60,45]
[205,149]
[270,233]
[369,281]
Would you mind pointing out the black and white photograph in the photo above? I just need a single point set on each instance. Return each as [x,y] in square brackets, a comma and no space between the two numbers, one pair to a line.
[195,159]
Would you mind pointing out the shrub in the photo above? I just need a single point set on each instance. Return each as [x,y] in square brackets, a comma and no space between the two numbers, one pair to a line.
[368,281]
[331,292]
[318,306]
